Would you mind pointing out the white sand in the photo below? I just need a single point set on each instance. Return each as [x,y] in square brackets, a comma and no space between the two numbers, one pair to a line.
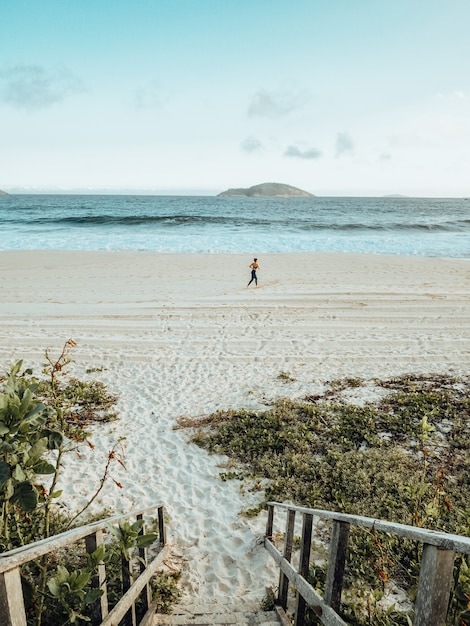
[181,334]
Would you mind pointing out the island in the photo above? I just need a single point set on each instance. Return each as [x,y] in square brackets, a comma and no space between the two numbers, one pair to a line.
[268,190]
[3,193]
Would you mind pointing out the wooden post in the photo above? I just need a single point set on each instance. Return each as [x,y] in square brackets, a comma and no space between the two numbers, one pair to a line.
[99,610]
[146,595]
[336,562]
[130,618]
[288,542]
[304,565]
[12,611]
[161,527]
[435,579]
[270,522]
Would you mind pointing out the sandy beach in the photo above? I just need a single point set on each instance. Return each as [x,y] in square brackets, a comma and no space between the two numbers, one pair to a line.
[180,334]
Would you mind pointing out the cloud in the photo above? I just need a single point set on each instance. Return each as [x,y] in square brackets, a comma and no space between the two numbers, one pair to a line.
[294,151]
[33,87]
[457,94]
[385,156]
[149,97]
[412,140]
[344,144]
[251,144]
[273,105]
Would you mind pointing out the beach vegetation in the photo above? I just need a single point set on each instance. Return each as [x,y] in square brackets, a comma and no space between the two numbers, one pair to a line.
[166,590]
[349,382]
[76,404]
[42,421]
[92,370]
[268,602]
[285,377]
[402,456]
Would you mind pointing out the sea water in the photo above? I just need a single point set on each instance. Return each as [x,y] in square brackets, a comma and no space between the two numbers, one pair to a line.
[433,227]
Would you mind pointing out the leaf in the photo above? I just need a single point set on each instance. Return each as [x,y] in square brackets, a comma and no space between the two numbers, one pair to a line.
[3,429]
[26,401]
[62,573]
[115,531]
[99,554]
[16,368]
[92,595]
[137,526]
[144,541]
[38,449]
[18,474]
[43,467]
[5,473]
[35,412]
[54,587]
[82,579]
[124,526]
[25,496]
[55,439]
[432,510]
[56,494]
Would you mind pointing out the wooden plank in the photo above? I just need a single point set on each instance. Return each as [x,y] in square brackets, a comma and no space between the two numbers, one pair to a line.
[130,618]
[336,562]
[270,522]
[161,525]
[19,556]
[125,603]
[324,612]
[143,561]
[12,611]
[282,616]
[99,609]
[434,584]
[432,537]
[149,617]
[304,566]
[288,543]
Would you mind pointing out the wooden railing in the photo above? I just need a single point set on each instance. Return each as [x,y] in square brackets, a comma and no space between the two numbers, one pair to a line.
[435,576]
[12,607]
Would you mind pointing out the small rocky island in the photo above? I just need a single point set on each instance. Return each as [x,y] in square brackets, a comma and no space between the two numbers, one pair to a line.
[268,190]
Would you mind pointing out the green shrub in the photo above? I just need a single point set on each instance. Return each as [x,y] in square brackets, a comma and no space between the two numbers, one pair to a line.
[403,458]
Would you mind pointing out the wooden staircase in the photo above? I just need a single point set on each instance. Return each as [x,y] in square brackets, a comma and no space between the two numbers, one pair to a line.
[231,611]
[430,607]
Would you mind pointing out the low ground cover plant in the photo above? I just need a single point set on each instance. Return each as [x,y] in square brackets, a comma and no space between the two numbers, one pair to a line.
[404,457]
[42,420]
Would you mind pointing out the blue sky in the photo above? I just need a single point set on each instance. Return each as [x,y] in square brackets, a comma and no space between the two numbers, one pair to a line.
[338,97]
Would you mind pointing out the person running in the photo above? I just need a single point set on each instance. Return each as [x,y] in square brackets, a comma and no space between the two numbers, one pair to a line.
[254,266]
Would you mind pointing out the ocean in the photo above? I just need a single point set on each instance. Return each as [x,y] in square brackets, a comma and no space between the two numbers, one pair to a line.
[431,227]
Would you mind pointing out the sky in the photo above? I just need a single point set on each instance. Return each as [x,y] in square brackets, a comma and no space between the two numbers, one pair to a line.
[337,97]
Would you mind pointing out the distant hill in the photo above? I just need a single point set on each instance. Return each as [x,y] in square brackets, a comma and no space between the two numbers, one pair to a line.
[3,193]
[268,190]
